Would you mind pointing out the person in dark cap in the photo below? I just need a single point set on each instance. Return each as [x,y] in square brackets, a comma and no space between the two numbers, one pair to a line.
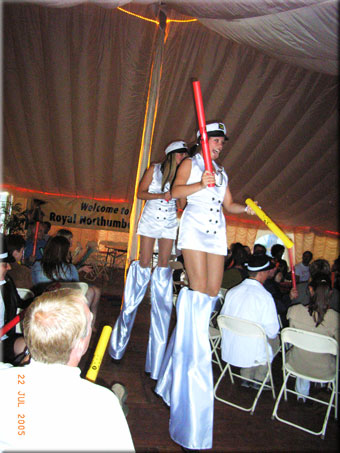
[251,301]
[13,347]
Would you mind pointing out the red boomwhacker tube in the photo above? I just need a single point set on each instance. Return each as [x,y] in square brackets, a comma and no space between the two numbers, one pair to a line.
[203,132]
[7,327]
[35,239]
[292,267]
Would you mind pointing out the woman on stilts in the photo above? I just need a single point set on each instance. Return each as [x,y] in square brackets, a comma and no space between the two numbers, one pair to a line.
[185,379]
[158,221]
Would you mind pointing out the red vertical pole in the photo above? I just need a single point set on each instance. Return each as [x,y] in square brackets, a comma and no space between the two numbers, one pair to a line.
[35,239]
[292,267]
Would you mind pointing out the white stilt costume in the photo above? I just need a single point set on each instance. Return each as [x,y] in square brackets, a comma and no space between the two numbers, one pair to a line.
[161,307]
[185,380]
[158,220]
[137,281]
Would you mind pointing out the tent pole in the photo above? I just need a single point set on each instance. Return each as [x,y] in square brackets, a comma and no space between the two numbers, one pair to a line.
[148,129]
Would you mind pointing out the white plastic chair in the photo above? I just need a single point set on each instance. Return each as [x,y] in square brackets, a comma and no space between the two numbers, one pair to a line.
[221,297]
[250,329]
[177,284]
[77,251]
[313,342]
[75,285]
[25,294]
[97,260]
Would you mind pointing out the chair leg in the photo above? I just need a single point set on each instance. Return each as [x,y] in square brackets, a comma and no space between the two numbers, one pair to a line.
[330,404]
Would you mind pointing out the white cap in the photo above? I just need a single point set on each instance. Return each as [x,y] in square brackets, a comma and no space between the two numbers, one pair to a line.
[176,146]
[219,128]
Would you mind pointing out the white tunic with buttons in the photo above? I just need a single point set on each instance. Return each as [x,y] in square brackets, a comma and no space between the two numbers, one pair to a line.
[158,219]
[202,225]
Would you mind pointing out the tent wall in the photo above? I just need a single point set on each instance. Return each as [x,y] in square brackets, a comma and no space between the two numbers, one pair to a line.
[75,89]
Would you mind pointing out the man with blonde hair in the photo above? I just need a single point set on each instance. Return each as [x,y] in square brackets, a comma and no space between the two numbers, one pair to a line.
[46,404]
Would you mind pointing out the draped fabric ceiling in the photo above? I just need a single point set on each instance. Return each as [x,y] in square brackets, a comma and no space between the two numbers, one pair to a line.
[76,78]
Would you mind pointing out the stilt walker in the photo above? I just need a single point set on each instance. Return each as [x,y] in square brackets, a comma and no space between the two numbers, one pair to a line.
[158,221]
[185,380]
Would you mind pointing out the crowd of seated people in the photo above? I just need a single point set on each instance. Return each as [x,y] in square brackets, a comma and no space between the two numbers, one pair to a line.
[61,408]
[55,266]
[37,275]
[13,346]
[57,327]
[313,305]
[315,316]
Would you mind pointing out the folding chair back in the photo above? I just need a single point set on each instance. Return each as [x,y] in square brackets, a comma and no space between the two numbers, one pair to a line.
[241,326]
[249,329]
[316,343]
[75,285]
[25,293]
[309,341]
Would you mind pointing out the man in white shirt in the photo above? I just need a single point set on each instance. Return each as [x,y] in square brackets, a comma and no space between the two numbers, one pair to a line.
[251,301]
[46,405]
[302,271]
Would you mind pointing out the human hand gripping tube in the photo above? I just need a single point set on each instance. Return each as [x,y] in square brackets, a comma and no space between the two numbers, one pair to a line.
[201,122]
[277,231]
[93,371]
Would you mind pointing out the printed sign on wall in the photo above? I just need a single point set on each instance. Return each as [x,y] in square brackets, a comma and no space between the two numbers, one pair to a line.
[83,213]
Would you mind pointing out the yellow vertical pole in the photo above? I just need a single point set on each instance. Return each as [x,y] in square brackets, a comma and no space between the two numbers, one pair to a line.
[148,130]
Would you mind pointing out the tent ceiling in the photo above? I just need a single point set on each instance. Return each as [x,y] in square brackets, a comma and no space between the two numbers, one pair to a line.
[76,81]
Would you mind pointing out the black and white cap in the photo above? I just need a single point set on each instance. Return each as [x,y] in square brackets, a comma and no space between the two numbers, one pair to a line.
[176,147]
[5,257]
[258,263]
[215,130]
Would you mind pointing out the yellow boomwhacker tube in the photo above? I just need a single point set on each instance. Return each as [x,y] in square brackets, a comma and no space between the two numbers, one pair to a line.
[277,231]
[99,354]
[270,224]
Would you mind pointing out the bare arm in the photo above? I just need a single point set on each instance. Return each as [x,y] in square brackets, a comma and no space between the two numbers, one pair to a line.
[180,188]
[143,193]
[234,208]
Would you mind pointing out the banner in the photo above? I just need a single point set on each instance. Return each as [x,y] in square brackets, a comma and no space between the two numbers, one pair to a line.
[84,213]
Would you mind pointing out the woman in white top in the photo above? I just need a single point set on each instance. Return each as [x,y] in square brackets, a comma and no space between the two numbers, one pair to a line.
[186,381]
[158,221]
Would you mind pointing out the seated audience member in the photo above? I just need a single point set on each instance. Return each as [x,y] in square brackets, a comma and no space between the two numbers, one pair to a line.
[69,236]
[13,345]
[29,258]
[47,227]
[55,267]
[282,301]
[249,300]
[300,295]
[236,272]
[20,274]
[319,318]
[61,411]
[259,249]
[247,249]
[228,261]
[302,269]
[336,274]
[277,252]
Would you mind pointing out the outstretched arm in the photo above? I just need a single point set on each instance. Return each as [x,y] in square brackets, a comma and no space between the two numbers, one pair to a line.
[235,208]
